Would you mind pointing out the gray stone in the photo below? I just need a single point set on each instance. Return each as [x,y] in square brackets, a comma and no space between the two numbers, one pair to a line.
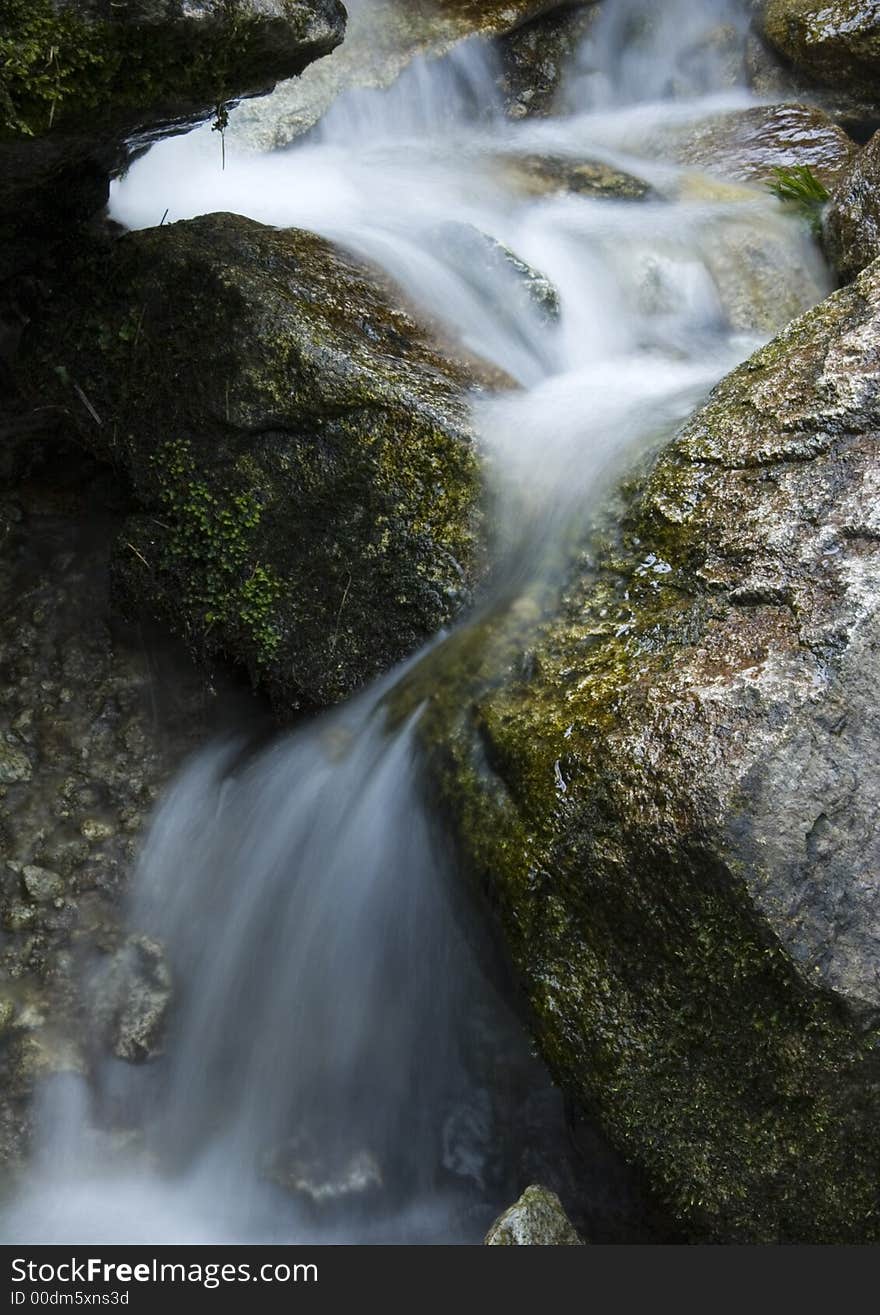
[41,885]
[536,1220]
[747,145]
[674,805]
[833,42]
[15,766]
[132,995]
[852,221]
[536,57]
[383,39]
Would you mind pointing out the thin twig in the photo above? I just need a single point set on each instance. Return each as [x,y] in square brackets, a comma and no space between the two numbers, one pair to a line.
[138,554]
[339,614]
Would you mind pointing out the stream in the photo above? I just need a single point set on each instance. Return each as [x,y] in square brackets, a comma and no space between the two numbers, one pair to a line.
[342,1064]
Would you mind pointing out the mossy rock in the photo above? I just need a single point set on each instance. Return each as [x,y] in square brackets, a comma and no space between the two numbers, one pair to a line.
[537,1219]
[300,446]
[663,776]
[832,41]
[79,80]
[71,63]
[383,39]
[852,221]
[531,174]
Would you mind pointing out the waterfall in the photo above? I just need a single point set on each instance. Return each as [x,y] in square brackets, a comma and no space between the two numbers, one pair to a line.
[340,1065]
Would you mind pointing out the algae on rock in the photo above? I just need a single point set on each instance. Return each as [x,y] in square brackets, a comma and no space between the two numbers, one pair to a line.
[300,446]
[834,43]
[666,785]
[79,81]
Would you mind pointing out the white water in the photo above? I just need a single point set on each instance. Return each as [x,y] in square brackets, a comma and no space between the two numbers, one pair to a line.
[333,1026]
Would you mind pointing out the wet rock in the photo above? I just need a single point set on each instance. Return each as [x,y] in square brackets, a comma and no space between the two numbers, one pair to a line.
[383,39]
[747,145]
[535,58]
[548,175]
[60,893]
[40,885]
[132,996]
[833,43]
[852,221]
[300,446]
[80,81]
[673,806]
[15,766]
[763,276]
[322,1177]
[482,258]
[536,1220]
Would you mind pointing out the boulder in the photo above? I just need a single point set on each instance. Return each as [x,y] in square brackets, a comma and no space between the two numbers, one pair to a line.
[132,996]
[664,778]
[537,1219]
[852,221]
[79,81]
[299,445]
[535,57]
[833,43]
[531,174]
[747,145]
[383,39]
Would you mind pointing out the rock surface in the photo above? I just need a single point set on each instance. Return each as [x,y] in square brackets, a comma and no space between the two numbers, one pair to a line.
[669,795]
[536,56]
[301,447]
[103,718]
[537,1219]
[131,999]
[852,221]
[531,174]
[78,81]
[747,145]
[383,38]
[832,41]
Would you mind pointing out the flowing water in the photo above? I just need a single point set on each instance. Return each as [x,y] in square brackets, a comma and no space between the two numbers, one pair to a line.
[340,1066]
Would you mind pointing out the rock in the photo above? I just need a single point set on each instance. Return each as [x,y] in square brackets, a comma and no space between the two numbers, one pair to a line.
[383,39]
[40,885]
[482,258]
[15,766]
[535,57]
[536,1220]
[747,145]
[548,175]
[763,276]
[131,1000]
[852,221]
[301,448]
[672,803]
[80,81]
[323,1174]
[102,742]
[834,43]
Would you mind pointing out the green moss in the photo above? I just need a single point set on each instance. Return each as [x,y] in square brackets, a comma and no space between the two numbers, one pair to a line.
[56,67]
[659,996]
[208,553]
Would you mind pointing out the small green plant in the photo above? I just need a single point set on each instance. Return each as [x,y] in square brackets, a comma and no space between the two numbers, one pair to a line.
[799,188]
[210,552]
